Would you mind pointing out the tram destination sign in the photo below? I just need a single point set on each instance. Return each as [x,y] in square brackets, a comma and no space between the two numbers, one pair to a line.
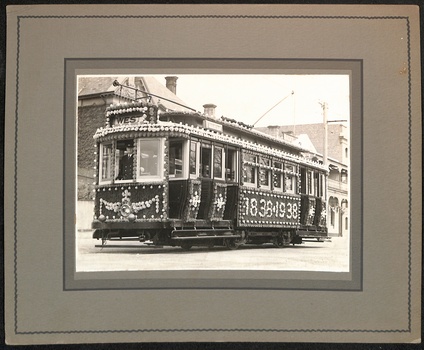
[212,126]
[128,115]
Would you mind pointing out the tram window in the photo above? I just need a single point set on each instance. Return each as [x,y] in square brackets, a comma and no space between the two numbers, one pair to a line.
[106,172]
[290,178]
[250,168]
[124,160]
[277,176]
[149,159]
[264,172]
[303,182]
[317,185]
[231,165]
[310,187]
[206,160]
[193,157]
[176,159]
[290,183]
[217,162]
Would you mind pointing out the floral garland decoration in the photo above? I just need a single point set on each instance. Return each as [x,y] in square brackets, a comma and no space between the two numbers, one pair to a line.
[126,208]
[194,195]
[218,202]
[194,201]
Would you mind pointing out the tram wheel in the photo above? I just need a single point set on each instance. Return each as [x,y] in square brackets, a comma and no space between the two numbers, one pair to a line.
[278,242]
[186,246]
[231,243]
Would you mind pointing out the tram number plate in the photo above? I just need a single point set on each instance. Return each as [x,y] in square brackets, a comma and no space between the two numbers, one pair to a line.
[270,210]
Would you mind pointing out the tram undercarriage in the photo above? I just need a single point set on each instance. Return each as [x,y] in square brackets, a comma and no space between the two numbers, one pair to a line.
[187,237]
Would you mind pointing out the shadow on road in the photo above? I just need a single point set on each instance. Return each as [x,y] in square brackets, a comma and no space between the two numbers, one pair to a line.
[151,250]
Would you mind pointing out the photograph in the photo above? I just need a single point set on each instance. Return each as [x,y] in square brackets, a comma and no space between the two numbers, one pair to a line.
[213,172]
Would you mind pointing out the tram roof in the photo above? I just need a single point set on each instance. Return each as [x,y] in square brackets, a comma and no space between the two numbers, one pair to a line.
[163,129]
[239,128]
[187,124]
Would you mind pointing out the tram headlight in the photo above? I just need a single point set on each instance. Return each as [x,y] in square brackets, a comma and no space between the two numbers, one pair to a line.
[126,210]
[102,218]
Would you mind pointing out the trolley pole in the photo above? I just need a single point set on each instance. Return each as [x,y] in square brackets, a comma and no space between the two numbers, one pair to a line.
[269,110]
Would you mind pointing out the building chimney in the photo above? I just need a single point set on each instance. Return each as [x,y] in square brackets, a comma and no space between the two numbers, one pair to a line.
[171,84]
[274,130]
[209,109]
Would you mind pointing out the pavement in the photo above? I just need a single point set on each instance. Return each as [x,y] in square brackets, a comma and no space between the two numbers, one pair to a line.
[329,256]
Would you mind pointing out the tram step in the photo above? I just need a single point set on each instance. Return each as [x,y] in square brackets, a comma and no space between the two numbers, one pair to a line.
[205,237]
[203,230]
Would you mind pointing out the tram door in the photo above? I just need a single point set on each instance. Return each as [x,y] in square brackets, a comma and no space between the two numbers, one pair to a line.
[231,178]
[205,173]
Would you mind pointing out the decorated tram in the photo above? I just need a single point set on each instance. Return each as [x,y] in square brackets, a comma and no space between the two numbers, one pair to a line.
[189,179]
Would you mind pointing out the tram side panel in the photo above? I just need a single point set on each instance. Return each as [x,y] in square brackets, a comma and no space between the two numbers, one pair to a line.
[199,201]
[259,208]
[184,200]
[313,217]
[127,208]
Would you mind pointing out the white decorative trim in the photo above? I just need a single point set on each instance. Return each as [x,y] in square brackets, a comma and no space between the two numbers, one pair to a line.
[200,132]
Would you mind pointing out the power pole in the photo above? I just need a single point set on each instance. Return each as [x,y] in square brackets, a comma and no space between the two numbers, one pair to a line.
[324,106]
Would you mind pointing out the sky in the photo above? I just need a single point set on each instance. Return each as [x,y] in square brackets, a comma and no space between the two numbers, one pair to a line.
[247,98]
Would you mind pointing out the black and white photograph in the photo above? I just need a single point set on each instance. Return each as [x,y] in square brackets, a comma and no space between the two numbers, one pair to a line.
[215,172]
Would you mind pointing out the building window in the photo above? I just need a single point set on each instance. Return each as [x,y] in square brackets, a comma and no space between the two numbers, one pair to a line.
[344,176]
[333,204]
[334,174]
